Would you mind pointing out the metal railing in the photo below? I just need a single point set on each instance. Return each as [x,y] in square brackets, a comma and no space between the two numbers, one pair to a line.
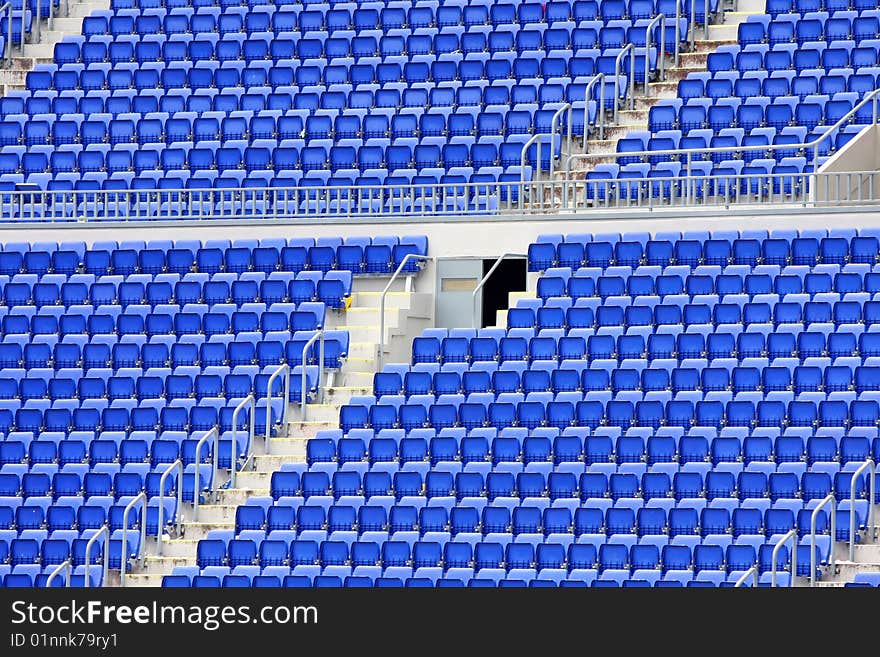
[36,31]
[793,535]
[553,126]
[284,369]
[872,468]
[599,79]
[409,257]
[693,22]
[7,7]
[160,520]
[506,256]
[660,50]
[304,384]
[631,49]
[697,154]
[751,572]
[832,501]
[104,531]
[516,197]
[251,403]
[214,433]
[534,139]
[65,566]
[142,498]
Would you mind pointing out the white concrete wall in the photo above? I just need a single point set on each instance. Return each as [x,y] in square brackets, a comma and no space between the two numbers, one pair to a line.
[861,154]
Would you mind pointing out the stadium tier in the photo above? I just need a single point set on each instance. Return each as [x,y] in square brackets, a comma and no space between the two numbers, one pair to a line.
[116,358]
[711,393]
[205,95]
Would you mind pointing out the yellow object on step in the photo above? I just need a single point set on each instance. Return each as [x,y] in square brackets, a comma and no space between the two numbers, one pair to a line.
[347,302]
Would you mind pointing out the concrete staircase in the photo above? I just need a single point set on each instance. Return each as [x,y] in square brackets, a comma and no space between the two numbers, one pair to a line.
[866,560]
[406,314]
[67,22]
[629,120]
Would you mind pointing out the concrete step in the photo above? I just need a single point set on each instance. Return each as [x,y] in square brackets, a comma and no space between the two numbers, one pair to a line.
[394,299]
[65,24]
[326,413]
[294,445]
[137,580]
[178,548]
[216,513]
[341,395]
[84,9]
[247,483]
[357,316]
[271,462]
[163,565]
[43,50]
[11,76]
[194,531]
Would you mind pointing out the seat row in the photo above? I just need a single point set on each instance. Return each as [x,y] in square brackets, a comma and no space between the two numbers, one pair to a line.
[358,255]
[695,250]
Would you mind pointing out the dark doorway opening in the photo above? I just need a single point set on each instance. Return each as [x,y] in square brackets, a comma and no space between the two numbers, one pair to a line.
[509,277]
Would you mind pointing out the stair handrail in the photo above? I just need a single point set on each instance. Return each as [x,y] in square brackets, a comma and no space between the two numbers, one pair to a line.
[871,97]
[141,497]
[104,531]
[214,433]
[486,277]
[249,401]
[692,22]
[406,259]
[600,110]
[751,572]
[66,567]
[628,48]
[831,500]
[284,368]
[790,534]
[534,139]
[660,50]
[177,465]
[566,107]
[304,388]
[7,7]
[869,465]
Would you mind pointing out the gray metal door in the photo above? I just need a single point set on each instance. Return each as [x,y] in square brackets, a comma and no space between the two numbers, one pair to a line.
[456,280]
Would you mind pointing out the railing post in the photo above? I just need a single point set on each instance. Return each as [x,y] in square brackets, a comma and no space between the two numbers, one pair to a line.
[706,20]
[751,572]
[284,368]
[304,392]
[406,259]
[832,501]
[104,531]
[869,465]
[553,126]
[7,7]
[660,50]
[677,30]
[524,154]
[247,401]
[627,48]
[141,497]
[692,24]
[485,278]
[66,567]
[792,534]
[177,465]
[214,433]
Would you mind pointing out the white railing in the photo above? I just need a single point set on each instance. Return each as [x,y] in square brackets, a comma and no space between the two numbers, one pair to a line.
[284,369]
